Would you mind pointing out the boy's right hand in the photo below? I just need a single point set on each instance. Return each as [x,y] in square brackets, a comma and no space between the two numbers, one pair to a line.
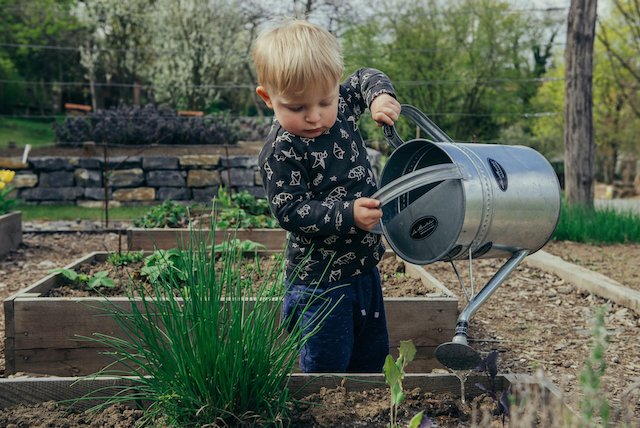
[366,213]
[385,109]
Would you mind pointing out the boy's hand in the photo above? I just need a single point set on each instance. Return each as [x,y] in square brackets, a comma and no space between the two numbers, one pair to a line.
[385,109]
[366,213]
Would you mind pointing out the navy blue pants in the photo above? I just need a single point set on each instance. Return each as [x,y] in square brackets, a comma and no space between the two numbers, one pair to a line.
[353,336]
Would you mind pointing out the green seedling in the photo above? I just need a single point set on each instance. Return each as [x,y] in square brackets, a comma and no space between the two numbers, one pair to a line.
[239,245]
[167,264]
[168,214]
[595,403]
[99,280]
[127,258]
[394,373]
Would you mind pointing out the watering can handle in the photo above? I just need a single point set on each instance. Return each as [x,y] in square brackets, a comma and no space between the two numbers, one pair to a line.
[425,124]
[413,180]
[418,178]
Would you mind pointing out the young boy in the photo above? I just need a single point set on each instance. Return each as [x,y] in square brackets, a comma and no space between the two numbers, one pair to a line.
[318,180]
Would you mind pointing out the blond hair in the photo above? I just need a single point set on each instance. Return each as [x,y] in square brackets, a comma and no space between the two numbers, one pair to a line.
[294,55]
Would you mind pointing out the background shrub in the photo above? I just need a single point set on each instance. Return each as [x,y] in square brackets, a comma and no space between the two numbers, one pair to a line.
[134,125]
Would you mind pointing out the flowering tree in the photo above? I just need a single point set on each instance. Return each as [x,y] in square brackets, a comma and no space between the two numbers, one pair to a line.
[205,39]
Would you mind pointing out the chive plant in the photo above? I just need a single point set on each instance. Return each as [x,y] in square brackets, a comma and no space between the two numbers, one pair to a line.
[211,352]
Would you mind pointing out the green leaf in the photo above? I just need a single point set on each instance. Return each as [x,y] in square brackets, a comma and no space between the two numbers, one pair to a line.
[407,350]
[107,282]
[93,283]
[397,395]
[416,420]
[391,373]
[70,274]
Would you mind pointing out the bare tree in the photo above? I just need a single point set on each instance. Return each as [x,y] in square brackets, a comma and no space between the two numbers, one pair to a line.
[621,38]
[578,111]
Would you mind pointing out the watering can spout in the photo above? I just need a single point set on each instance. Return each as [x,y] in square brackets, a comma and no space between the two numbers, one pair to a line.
[457,354]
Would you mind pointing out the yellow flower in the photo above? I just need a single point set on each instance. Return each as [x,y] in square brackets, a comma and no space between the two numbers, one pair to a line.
[6,176]
[2,185]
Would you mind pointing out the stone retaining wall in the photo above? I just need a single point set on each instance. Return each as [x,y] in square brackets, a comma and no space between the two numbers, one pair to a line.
[136,180]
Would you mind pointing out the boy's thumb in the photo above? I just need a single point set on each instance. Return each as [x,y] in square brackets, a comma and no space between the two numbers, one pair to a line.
[370,203]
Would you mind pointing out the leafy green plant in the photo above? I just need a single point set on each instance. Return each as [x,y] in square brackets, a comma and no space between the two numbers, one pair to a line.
[238,246]
[394,373]
[164,265]
[167,214]
[125,258]
[144,125]
[594,403]
[90,282]
[251,204]
[581,224]
[238,218]
[223,199]
[6,177]
[210,355]
[240,210]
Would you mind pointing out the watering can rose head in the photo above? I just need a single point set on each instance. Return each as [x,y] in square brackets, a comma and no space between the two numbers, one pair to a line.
[6,176]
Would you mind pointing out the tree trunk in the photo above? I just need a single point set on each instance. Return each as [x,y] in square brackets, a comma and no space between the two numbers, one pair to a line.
[579,145]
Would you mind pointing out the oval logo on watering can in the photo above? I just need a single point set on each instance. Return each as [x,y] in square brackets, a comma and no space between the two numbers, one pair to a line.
[499,173]
[423,227]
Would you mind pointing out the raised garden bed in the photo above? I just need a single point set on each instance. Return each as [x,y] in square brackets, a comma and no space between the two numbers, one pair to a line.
[165,238]
[10,232]
[43,335]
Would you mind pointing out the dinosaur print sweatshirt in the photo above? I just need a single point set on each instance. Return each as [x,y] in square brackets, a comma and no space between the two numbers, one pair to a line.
[312,183]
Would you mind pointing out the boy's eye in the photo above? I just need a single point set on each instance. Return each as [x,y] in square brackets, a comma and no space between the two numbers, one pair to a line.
[299,108]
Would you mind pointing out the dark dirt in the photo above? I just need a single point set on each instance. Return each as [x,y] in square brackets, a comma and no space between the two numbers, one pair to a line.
[329,408]
[253,271]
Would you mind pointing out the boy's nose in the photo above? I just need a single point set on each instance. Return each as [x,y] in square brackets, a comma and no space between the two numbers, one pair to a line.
[313,115]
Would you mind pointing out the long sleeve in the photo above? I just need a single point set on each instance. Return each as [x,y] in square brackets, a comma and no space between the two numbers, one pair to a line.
[312,184]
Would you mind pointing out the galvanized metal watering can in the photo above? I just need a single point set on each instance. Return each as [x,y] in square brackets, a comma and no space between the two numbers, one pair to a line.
[443,201]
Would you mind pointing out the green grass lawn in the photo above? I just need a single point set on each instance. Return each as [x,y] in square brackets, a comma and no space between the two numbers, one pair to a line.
[24,131]
[74,212]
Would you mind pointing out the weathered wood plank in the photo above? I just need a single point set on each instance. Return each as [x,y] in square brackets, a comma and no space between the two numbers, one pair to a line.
[28,390]
[39,347]
[10,231]
[425,321]
[59,322]
[586,279]
[85,361]
[63,362]
[151,239]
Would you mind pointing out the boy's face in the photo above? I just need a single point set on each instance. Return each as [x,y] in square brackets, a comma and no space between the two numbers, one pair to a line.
[307,115]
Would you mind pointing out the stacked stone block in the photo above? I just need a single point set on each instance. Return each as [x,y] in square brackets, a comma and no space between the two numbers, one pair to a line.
[135,180]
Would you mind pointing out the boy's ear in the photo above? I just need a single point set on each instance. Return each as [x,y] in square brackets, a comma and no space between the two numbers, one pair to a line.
[262,92]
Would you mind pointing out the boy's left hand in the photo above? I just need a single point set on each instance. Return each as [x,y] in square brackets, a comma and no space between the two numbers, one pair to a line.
[366,213]
[385,109]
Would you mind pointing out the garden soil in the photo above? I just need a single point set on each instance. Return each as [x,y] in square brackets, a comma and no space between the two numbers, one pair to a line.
[536,321]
